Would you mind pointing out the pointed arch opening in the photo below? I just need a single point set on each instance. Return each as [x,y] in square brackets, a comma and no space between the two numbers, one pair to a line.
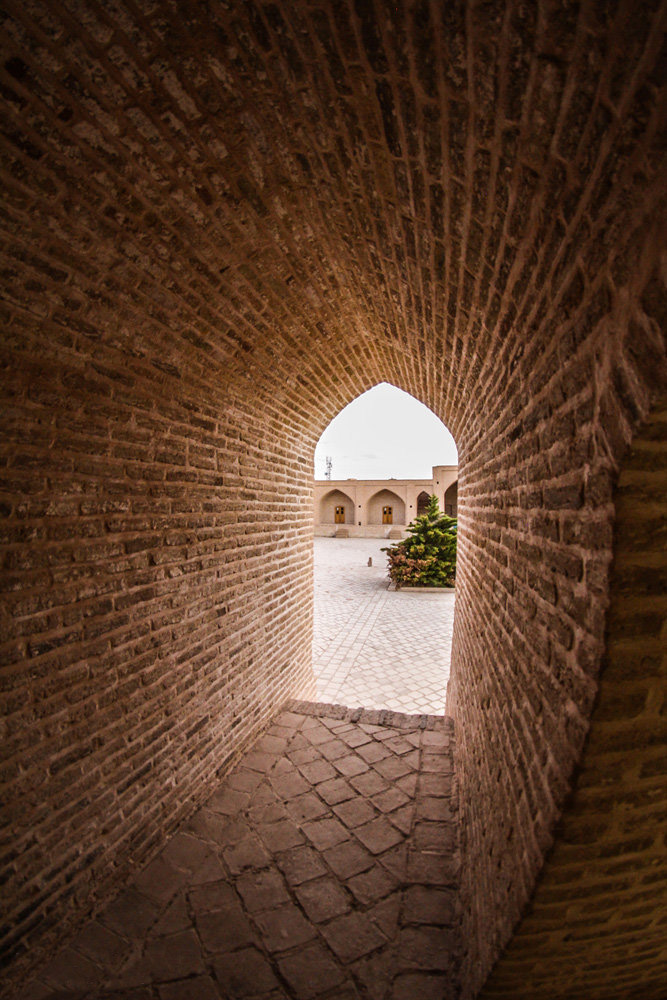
[336,507]
[422,502]
[385,507]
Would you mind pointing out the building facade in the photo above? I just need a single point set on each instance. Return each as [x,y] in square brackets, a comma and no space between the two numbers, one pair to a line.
[381,508]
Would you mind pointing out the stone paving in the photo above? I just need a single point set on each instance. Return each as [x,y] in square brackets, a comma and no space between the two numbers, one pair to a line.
[372,646]
[324,866]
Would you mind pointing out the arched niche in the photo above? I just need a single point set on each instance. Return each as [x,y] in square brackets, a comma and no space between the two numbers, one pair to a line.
[380,503]
[332,504]
[422,502]
[451,500]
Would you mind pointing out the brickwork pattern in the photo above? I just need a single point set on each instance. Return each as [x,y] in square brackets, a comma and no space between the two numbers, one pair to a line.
[325,865]
[220,225]
[609,860]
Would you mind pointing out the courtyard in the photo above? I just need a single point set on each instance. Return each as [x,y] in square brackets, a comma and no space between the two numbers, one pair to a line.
[375,647]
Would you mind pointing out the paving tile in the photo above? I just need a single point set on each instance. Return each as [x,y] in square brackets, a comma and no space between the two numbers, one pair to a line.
[376,972]
[311,971]
[425,948]
[317,735]
[262,890]
[289,786]
[369,783]
[306,807]
[159,880]
[69,970]
[300,865]
[372,885]
[374,647]
[434,837]
[215,896]
[325,832]
[267,812]
[336,790]
[395,861]
[334,750]
[317,771]
[323,899]
[390,799]
[212,870]
[372,752]
[185,851]
[422,985]
[439,763]
[174,956]
[354,812]
[385,914]
[272,744]
[379,835]
[364,863]
[243,779]
[100,944]
[432,869]
[248,853]
[291,719]
[36,990]
[130,914]
[438,785]
[428,905]
[175,918]
[403,818]
[260,762]
[244,973]
[351,936]
[280,836]
[228,801]
[284,928]
[304,756]
[199,988]
[399,745]
[282,767]
[435,738]
[348,859]
[310,722]
[392,768]
[351,766]
[356,737]
[210,826]
[224,929]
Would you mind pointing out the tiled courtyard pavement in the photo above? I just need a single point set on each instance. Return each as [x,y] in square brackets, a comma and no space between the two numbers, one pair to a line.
[324,866]
[372,646]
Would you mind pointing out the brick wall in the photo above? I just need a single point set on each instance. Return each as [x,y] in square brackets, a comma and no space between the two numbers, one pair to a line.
[596,926]
[222,225]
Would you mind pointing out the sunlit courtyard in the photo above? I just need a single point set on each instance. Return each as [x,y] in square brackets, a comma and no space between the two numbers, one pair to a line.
[372,646]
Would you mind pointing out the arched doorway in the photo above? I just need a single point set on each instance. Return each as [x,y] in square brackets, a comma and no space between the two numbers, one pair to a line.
[385,507]
[451,500]
[422,503]
[336,508]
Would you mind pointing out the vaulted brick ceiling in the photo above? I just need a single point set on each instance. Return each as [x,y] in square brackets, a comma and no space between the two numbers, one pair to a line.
[223,222]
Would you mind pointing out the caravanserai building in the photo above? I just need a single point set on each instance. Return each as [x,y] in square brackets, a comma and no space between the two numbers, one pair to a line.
[381,508]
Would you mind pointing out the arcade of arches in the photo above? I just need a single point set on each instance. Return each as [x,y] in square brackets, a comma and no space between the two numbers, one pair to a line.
[374,507]
[223,222]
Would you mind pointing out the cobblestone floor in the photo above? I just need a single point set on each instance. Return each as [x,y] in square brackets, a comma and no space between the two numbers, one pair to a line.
[324,866]
[372,646]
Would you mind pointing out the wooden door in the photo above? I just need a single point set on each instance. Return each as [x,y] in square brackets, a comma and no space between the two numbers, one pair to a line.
[340,515]
[387,515]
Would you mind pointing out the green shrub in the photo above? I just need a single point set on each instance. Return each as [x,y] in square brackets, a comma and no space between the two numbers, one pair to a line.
[427,558]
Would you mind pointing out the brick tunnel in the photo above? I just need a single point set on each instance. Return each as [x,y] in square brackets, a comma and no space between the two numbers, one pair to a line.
[221,223]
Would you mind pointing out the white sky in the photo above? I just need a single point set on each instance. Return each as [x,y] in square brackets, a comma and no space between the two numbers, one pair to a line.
[383,434]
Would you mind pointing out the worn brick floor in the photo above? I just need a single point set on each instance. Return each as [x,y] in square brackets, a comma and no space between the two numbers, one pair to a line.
[373,646]
[324,866]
